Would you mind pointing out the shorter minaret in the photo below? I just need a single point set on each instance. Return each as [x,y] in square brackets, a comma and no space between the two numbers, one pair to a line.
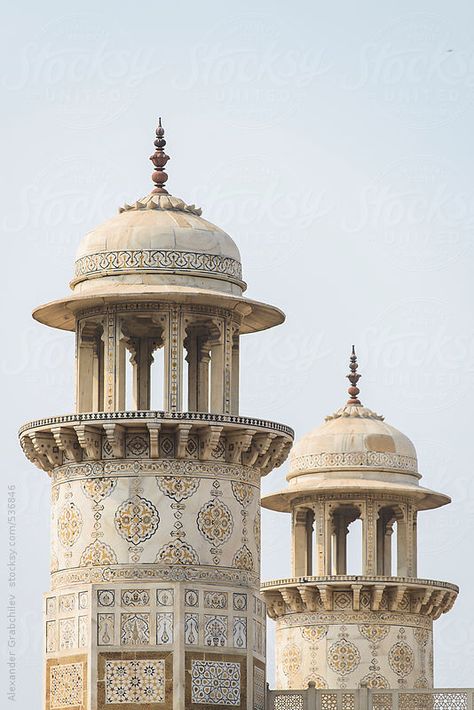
[373,628]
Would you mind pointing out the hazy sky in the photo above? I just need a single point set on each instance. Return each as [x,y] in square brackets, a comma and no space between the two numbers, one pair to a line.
[333,141]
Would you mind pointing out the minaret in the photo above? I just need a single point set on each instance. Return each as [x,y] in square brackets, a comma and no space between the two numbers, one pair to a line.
[335,626]
[155,559]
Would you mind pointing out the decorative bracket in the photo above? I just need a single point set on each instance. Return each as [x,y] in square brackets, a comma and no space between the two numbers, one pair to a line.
[116,438]
[90,441]
[66,440]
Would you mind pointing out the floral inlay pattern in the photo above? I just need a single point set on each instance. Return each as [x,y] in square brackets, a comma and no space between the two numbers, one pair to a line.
[136,520]
[97,554]
[177,487]
[98,488]
[215,683]
[343,657]
[401,659]
[69,525]
[242,492]
[215,522]
[243,559]
[177,553]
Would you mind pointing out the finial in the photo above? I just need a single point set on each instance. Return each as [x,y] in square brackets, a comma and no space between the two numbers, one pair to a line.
[159,160]
[353,378]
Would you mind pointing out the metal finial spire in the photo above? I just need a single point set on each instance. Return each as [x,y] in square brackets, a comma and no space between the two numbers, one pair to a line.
[353,378]
[159,160]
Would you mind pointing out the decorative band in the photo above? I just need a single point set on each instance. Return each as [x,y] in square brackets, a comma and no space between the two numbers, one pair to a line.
[156,260]
[372,459]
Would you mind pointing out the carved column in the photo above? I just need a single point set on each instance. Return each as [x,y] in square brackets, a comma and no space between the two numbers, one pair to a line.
[369,533]
[235,373]
[173,383]
[300,539]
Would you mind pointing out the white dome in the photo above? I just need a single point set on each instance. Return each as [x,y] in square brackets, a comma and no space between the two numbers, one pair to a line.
[158,240]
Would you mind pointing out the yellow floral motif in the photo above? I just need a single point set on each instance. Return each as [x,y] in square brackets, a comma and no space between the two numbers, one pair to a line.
[98,554]
[291,659]
[69,525]
[374,632]
[314,633]
[243,559]
[98,488]
[242,492]
[375,680]
[401,659]
[215,522]
[343,657]
[177,553]
[177,487]
[136,520]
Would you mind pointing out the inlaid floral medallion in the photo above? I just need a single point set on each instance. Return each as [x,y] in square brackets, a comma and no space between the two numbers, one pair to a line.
[177,487]
[343,657]
[291,659]
[401,659]
[177,553]
[243,559]
[98,554]
[98,488]
[314,633]
[69,525]
[136,520]
[242,492]
[215,522]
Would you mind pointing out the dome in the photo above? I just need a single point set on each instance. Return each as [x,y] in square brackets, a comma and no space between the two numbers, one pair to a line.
[158,240]
[354,436]
[353,451]
[159,248]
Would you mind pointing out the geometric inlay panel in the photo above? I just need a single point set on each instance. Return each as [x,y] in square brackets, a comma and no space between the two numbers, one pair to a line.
[135,681]
[66,685]
[215,683]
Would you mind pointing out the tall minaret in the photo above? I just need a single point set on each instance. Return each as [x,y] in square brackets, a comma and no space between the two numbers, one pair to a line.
[335,626]
[155,559]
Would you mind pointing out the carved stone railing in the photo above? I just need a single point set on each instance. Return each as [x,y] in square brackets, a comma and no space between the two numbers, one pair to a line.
[365,699]
[419,596]
[52,442]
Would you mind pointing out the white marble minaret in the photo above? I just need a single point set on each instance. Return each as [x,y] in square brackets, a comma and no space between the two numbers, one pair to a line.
[343,628]
[155,560]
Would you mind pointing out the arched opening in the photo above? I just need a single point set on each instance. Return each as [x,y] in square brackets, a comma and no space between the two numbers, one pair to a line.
[354,548]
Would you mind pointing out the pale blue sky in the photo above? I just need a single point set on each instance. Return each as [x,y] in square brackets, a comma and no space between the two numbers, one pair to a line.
[333,141]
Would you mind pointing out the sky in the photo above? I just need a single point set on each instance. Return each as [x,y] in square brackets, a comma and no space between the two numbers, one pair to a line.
[333,141]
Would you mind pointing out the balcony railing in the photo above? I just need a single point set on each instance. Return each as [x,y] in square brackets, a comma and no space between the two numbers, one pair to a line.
[365,699]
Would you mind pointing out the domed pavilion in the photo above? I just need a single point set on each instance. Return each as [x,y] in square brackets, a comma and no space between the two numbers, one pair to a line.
[373,628]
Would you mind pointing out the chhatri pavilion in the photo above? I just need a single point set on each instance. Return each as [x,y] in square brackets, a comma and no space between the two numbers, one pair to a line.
[156,599]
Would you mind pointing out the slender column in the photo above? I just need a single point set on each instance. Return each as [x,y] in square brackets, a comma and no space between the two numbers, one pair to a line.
[109,360]
[227,363]
[413,571]
[191,343]
[203,376]
[320,546]
[217,371]
[120,367]
[402,567]
[369,533]
[299,543]
[98,376]
[341,531]
[387,549]
[329,529]
[85,375]
[309,541]
[141,359]
[235,374]
[173,383]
